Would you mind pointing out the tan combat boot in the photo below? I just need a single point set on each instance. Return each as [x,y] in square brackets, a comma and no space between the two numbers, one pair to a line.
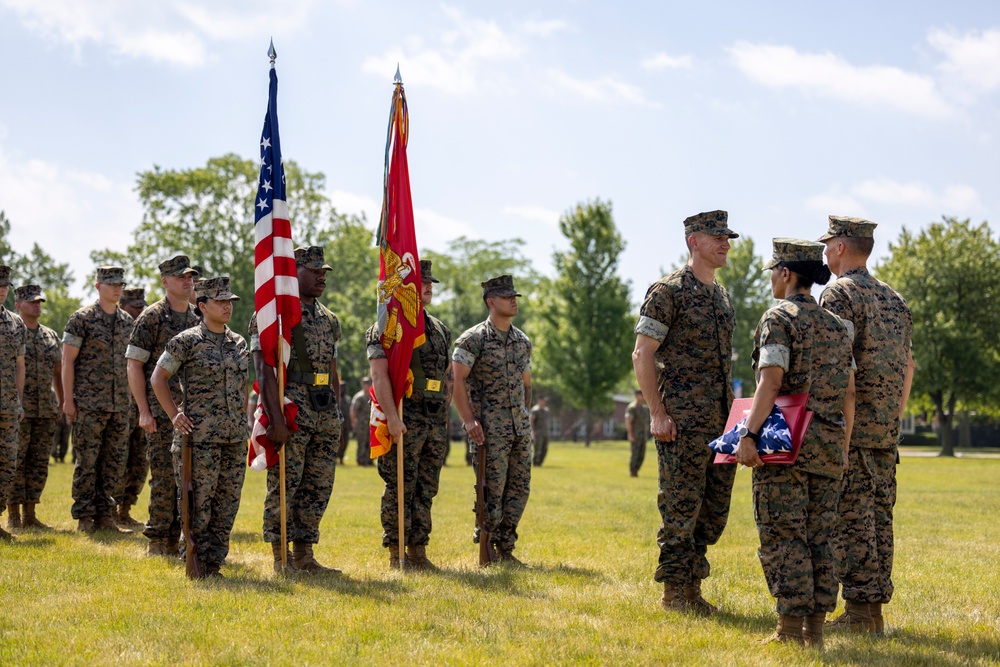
[85,525]
[812,630]
[696,603]
[394,557]
[789,631]
[507,556]
[157,547]
[29,520]
[13,516]
[108,524]
[276,552]
[875,609]
[673,597]
[302,557]
[5,536]
[857,617]
[416,557]
[124,518]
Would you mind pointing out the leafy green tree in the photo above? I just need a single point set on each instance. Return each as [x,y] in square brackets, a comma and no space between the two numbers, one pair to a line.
[39,268]
[468,263]
[585,328]
[949,274]
[750,291]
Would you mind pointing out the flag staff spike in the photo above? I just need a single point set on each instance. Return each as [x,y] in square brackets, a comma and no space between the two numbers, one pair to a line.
[272,54]
[398,80]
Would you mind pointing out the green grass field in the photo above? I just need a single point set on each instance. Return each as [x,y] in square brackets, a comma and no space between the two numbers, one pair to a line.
[588,532]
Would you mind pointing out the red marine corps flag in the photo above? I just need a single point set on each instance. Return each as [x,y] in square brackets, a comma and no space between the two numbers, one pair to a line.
[400,312]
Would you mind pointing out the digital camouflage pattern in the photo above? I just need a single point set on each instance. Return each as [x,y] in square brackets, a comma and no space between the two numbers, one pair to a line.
[639,414]
[715,223]
[425,445]
[42,353]
[213,369]
[865,543]
[155,326]
[12,346]
[136,459]
[882,330]
[13,341]
[540,417]
[217,474]
[310,452]
[111,275]
[796,514]
[813,348]
[99,450]
[101,381]
[693,323]
[361,405]
[850,227]
[496,393]
[795,507]
[794,250]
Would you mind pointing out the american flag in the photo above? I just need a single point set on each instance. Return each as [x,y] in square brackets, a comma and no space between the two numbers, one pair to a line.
[276,283]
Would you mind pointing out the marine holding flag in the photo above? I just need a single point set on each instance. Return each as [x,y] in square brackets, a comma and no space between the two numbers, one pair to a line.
[310,451]
[425,423]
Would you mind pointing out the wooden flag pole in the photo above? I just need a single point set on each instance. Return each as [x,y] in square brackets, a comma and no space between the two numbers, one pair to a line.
[281,452]
[399,495]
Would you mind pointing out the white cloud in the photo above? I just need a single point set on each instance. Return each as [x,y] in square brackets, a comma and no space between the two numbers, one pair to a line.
[971,63]
[169,32]
[664,60]
[455,65]
[534,214]
[953,199]
[435,230]
[67,212]
[349,202]
[830,75]
[543,28]
[603,89]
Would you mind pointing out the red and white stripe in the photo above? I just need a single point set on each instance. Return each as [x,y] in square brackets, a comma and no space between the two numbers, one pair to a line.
[276,281]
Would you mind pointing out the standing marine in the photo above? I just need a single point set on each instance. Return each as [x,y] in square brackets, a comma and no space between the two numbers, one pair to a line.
[637,429]
[12,348]
[133,302]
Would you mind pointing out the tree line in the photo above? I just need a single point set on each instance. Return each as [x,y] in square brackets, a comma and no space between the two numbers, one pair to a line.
[580,319]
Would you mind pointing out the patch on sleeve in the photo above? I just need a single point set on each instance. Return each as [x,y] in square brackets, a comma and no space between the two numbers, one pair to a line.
[655,329]
[137,353]
[168,363]
[463,357]
[774,355]
[71,340]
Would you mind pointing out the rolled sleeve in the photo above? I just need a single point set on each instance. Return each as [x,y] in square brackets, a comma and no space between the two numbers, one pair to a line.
[655,329]
[72,340]
[21,351]
[168,363]
[463,357]
[137,353]
[375,352]
[774,355]
[255,343]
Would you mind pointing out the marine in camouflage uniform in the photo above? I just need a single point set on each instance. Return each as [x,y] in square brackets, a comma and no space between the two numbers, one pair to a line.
[799,348]
[311,451]
[133,302]
[683,357]
[881,319]
[155,326]
[213,364]
[96,399]
[12,348]
[41,403]
[637,424]
[539,419]
[493,359]
[361,414]
[425,447]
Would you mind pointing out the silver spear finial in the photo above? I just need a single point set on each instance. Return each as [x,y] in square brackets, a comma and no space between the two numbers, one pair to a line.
[271,53]
[397,79]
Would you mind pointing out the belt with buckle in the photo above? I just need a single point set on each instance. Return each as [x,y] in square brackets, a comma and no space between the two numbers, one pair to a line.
[433,385]
[313,379]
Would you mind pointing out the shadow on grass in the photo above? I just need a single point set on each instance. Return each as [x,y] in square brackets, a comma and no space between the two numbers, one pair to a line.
[755,624]
[903,646]
[246,537]
[373,589]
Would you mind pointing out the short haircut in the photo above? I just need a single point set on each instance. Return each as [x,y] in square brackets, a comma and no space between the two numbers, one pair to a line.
[859,245]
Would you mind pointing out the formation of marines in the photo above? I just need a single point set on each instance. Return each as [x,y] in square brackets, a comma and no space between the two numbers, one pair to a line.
[850,352]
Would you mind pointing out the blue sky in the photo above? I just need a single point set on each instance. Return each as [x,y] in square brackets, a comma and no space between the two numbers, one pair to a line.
[780,113]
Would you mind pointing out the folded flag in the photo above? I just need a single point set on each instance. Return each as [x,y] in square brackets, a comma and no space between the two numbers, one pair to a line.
[775,436]
[261,453]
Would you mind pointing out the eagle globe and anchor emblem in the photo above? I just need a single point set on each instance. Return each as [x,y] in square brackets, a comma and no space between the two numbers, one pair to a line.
[397,269]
